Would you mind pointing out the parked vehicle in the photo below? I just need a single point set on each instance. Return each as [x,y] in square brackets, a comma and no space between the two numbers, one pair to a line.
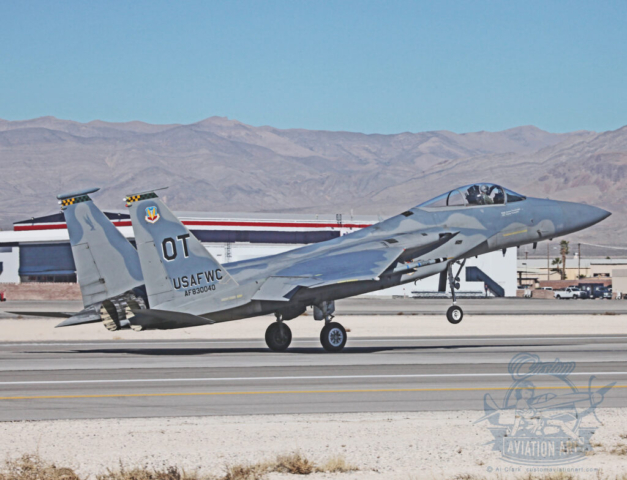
[546,288]
[582,292]
[605,293]
[3,297]
[595,290]
[570,292]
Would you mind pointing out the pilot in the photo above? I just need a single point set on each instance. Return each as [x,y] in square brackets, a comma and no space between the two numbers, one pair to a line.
[485,195]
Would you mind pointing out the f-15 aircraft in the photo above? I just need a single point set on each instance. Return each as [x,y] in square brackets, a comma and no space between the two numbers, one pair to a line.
[183,285]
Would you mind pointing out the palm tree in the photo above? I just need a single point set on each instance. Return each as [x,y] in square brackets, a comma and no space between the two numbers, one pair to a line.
[557,262]
[563,252]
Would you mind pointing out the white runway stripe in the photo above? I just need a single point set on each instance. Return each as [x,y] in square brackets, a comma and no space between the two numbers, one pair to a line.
[306,377]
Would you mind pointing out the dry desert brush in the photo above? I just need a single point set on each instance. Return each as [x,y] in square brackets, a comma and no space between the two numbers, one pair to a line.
[32,467]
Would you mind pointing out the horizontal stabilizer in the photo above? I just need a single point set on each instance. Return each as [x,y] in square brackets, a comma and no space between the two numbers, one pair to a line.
[152,319]
[45,314]
[81,318]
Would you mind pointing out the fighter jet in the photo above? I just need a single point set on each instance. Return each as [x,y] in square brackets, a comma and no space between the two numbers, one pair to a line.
[186,286]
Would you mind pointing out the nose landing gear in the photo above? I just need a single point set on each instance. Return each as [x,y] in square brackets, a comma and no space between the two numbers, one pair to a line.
[333,335]
[454,314]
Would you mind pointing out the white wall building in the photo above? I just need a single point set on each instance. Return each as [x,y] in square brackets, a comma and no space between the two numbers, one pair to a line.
[9,264]
[38,249]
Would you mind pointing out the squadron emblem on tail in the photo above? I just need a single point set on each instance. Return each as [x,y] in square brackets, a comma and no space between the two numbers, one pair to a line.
[152,214]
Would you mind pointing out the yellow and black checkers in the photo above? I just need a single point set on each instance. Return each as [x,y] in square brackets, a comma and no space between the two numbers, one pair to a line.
[130,199]
[71,201]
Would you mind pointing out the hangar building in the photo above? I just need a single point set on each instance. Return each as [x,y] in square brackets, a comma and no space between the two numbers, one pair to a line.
[38,250]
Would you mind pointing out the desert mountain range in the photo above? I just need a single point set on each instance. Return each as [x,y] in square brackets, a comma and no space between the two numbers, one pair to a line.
[221,165]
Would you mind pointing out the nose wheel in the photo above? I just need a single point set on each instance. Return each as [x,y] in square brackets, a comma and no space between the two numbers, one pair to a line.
[333,337]
[454,314]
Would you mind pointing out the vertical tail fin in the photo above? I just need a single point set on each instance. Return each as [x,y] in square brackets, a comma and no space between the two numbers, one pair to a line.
[106,263]
[174,262]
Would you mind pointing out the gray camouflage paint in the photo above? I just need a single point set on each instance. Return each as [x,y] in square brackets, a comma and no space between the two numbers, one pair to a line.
[363,261]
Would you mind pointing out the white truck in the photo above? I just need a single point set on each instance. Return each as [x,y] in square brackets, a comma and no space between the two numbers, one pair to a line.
[570,292]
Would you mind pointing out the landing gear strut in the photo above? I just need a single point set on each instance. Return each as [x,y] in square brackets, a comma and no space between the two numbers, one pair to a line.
[454,314]
[278,336]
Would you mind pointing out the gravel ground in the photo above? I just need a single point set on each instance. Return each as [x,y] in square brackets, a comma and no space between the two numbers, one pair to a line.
[30,329]
[383,445]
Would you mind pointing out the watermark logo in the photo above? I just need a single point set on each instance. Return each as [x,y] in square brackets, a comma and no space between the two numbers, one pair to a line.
[541,418]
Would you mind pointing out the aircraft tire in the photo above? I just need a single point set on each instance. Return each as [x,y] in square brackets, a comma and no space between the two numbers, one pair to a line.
[454,314]
[278,337]
[333,337]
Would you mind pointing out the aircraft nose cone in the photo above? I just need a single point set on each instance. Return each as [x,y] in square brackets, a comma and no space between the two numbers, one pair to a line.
[580,216]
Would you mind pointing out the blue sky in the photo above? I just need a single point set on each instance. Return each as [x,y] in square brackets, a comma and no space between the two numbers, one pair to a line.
[385,66]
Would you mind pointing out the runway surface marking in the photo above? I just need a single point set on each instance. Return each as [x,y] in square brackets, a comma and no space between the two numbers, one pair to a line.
[106,343]
[287,392]
[305,377]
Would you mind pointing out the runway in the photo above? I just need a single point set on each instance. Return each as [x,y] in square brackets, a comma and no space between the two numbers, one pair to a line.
[394,306]
[113,379]
[478,306]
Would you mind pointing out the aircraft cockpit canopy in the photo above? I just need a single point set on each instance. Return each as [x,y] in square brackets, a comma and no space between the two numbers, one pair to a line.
[473,195]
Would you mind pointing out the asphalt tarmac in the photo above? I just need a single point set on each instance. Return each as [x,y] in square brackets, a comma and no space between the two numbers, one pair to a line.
[395,306]
[114,379]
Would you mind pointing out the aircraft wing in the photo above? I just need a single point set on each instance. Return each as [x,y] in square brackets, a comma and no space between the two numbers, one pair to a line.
[365,261]
[328,269]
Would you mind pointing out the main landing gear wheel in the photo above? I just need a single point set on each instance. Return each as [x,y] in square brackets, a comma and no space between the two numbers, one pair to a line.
[333,337]
[278,337]
[454,314]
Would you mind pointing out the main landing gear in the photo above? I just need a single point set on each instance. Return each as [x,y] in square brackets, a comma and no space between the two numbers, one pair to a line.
[454,314]
[333,335]
[278,336]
